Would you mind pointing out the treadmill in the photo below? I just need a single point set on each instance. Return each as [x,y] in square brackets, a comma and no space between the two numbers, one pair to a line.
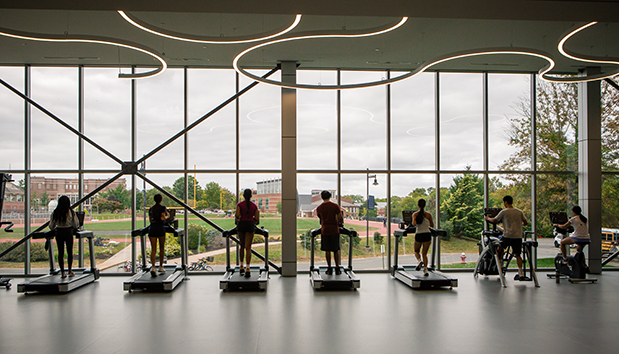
[174,274]
[53,282]
[347,280]
[232,279]
[415,278]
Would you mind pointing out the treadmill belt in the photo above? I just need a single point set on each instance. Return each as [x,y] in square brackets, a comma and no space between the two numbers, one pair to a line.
[148,278]
[57,279]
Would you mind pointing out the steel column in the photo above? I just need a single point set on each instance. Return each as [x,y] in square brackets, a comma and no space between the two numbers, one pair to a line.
[289,169]
[27,163]
[590,163]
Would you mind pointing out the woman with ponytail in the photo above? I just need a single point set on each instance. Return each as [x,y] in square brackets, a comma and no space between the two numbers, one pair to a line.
[64,220]
[246,217]
[423,238]
[580,234]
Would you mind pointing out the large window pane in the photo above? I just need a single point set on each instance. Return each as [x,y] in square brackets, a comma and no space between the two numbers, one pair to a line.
[212,144]
[13,210]
[107,117]
[159,117]
[610,125]
[53,146]
[12,120]
[461,104]
[610,217]
[316,123]
[260,126]
[413,123]
[509,122]
[557,117]
[366,249]
[462,202]
[364,129]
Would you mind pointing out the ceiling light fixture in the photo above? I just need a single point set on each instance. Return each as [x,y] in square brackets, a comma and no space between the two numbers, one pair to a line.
[206,39]
[93,39]
[568,54]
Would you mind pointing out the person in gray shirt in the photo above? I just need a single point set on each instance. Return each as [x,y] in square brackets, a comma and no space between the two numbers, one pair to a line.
[513,220]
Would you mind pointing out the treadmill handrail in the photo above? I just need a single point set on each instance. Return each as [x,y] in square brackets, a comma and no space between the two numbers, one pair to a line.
[257,230]
[343,231]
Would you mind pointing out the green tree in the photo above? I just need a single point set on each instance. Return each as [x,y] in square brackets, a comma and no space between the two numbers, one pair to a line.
[464,206]
[44,199]
[212,195]
[178,188]
[119,194]
[279,207]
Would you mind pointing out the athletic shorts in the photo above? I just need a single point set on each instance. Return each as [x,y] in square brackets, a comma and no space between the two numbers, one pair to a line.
[581,240]
[156,230]
[330,243]
[516,244]
[423,237]
[242,228]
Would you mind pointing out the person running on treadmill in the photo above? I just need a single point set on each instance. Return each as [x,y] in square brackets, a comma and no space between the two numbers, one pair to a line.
[423,238]
[157,214]
[246,217]
[513,220]
[64,220]
[580,234]
[330,215]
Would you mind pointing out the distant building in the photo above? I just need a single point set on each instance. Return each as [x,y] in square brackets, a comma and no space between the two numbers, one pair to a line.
[54,187]
[13,199]
[267,195]
[309,202]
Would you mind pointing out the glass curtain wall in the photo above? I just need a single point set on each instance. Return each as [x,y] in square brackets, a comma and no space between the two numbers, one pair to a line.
[455,139]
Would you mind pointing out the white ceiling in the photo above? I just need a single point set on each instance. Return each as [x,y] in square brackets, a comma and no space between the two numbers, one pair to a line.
[435,29]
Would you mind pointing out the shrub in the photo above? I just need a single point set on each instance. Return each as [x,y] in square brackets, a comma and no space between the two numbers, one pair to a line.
[258,239]
[197,234]
[378,238]
[37,252]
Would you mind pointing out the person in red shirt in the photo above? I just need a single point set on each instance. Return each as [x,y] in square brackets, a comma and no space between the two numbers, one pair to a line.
[330,216]
[246,217]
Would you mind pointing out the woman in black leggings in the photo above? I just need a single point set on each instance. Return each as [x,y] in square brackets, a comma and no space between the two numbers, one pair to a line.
[64,220]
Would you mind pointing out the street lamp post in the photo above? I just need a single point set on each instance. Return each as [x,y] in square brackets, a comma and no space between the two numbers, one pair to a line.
[367,207]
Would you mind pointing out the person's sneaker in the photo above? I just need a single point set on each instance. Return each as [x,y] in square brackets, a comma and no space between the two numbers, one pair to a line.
[419,265]
[329,271]
[242,271]
[425,272]
[338,271]
[71,274]
[517,277]
[247,273]
[153,272]
[161,270]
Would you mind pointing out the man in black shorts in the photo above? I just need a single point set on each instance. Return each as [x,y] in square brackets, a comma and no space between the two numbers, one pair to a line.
[513,220]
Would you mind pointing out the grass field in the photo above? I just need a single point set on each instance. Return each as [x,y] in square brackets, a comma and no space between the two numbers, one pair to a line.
[274,225]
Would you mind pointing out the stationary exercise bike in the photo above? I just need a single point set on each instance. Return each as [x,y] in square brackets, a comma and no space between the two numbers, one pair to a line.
[576,269]
[4,282]
[494,260]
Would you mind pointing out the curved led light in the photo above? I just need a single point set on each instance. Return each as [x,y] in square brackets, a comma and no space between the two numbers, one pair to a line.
[205,39]
[314,35]
[420,69]
[93,39]
[569,54]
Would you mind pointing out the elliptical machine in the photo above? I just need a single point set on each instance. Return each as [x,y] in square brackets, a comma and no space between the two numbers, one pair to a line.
[4,178]
[576,269]
[494,260]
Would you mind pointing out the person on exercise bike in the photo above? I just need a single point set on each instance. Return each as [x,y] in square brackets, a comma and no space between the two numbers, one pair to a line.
[513,220]
[581,232]
[423,221]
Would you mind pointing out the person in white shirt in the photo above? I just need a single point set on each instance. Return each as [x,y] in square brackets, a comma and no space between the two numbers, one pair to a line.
[580,234]
[423,238]
[513,220]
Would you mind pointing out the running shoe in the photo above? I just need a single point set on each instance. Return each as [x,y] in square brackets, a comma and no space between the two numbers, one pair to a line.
[418,268]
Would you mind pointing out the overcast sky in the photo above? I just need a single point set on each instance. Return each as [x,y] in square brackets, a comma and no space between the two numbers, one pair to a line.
[212,144]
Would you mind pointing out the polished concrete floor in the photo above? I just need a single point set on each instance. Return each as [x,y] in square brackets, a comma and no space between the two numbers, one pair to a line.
[384,316]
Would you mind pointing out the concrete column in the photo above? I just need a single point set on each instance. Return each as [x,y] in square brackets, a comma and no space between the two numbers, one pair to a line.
[590,164]
[289,170]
